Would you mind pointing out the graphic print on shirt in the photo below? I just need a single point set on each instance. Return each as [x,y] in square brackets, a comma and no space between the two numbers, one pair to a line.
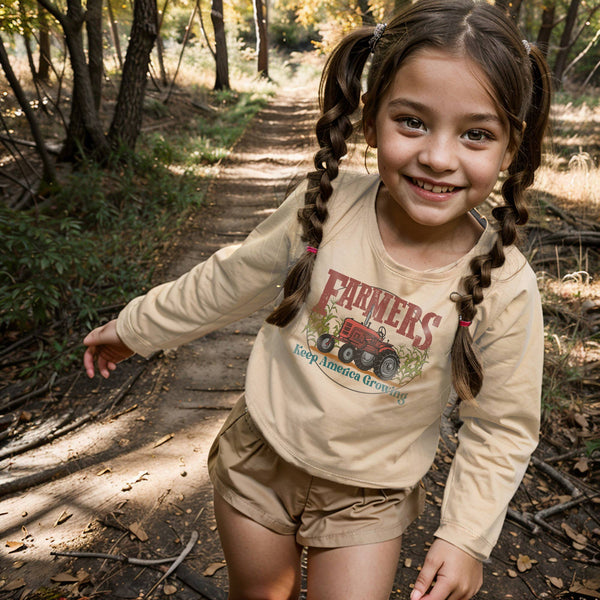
[367,339]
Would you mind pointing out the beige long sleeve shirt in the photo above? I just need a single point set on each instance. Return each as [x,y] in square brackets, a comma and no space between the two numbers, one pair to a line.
[353,389]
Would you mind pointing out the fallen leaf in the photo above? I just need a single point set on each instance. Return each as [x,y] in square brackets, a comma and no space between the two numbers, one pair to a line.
[524,563]
[15,584]
[139,533]
[64,516]
[83,576]
[576,537]
[104,471]
[408,562]
[15,546]
[126,487]
[580,588]
[163,440]
[18,564]
[64,578]
[25,416]
[141,476]
[511,573]
[212,569]
[583,464]
[557,582]
[169,589]
[593,583]
[581,420]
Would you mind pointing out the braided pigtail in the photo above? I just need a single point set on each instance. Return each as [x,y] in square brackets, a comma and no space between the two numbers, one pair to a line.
[467,372]
[339,95]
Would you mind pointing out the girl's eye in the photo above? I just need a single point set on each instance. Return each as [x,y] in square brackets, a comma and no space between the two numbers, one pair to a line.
[477,135]
[411,123]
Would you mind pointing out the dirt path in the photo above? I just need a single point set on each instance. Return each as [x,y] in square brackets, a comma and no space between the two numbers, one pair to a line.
[144,469]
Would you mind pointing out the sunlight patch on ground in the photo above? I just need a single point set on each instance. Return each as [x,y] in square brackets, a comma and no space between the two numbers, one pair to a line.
[137,476]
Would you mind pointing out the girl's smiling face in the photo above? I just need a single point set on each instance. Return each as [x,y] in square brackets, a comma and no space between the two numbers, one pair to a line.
[441,142]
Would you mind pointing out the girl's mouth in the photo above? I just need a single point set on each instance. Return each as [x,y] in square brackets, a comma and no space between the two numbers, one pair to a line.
[430,187]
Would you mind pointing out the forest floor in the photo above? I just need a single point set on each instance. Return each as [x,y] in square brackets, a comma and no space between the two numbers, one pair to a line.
[132,481]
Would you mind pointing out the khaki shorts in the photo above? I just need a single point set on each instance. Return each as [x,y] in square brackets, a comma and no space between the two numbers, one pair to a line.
[252,478]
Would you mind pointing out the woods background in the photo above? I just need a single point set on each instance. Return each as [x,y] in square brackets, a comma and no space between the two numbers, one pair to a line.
[114,119]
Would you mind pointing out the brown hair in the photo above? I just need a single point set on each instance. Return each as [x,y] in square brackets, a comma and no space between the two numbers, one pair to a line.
[521,87]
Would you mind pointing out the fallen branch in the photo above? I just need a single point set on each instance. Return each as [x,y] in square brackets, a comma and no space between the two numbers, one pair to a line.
[143,562]
[178,561]
[557,476]
[196,582]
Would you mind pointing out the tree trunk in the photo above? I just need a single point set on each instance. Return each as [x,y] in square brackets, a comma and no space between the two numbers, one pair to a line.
[366,13]
[85,129]
[262,40]
[114,31]
[45,54]
[221,60]
[566,41]
[127,120]
[515,9]
[543,38]
[49,174]
[160,47]
[95,58]
[27,40]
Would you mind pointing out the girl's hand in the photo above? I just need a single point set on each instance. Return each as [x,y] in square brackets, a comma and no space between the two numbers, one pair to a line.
[457,575]
[105,347]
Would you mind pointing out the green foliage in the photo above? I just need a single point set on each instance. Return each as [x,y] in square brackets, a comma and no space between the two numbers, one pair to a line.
[206,141]
[592,446]
[95,242]
[66,264]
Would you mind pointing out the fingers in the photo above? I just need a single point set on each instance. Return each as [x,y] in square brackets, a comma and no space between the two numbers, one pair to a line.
[88,360]
[105,349]
[424,579]
[454,574]
[98,355]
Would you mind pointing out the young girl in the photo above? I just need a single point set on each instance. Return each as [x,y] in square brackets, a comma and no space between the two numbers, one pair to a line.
[395,292]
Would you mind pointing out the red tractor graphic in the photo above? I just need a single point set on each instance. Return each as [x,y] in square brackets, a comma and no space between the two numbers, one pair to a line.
[363,345]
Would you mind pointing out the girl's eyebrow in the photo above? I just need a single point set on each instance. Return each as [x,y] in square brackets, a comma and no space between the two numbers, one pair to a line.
[420,107]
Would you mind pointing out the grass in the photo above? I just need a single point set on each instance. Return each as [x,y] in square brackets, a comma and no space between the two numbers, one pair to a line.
[569,179]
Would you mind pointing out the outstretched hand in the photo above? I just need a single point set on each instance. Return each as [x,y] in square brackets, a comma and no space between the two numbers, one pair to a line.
[105,348]
[457,575]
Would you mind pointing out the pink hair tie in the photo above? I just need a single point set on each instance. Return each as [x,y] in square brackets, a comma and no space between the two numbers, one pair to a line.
[311,249]
[464,323]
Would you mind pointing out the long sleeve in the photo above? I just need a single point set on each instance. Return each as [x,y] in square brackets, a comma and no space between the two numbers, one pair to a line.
[233,283]
[499,434]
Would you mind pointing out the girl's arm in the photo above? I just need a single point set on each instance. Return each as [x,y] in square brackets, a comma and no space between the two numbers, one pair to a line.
[497,437]
[232,284]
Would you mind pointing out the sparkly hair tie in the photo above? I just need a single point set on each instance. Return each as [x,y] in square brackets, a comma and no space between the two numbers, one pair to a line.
[462,323]
[527,46]
[311,249]
[379,30]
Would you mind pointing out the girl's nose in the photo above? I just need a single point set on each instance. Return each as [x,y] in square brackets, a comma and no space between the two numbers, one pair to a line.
[439,153]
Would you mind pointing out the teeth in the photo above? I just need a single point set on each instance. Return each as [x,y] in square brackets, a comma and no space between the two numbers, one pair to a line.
[436,189]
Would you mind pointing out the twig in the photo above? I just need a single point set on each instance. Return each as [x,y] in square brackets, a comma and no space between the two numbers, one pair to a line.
[180,559]
[118,557]
[556,475]
[552,510]
[564,456]
[15,402]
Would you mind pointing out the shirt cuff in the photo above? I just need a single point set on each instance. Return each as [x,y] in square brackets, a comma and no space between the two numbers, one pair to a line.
[471,543]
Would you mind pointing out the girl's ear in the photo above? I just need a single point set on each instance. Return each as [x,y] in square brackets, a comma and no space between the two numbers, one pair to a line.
[370,133]
[508,158]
